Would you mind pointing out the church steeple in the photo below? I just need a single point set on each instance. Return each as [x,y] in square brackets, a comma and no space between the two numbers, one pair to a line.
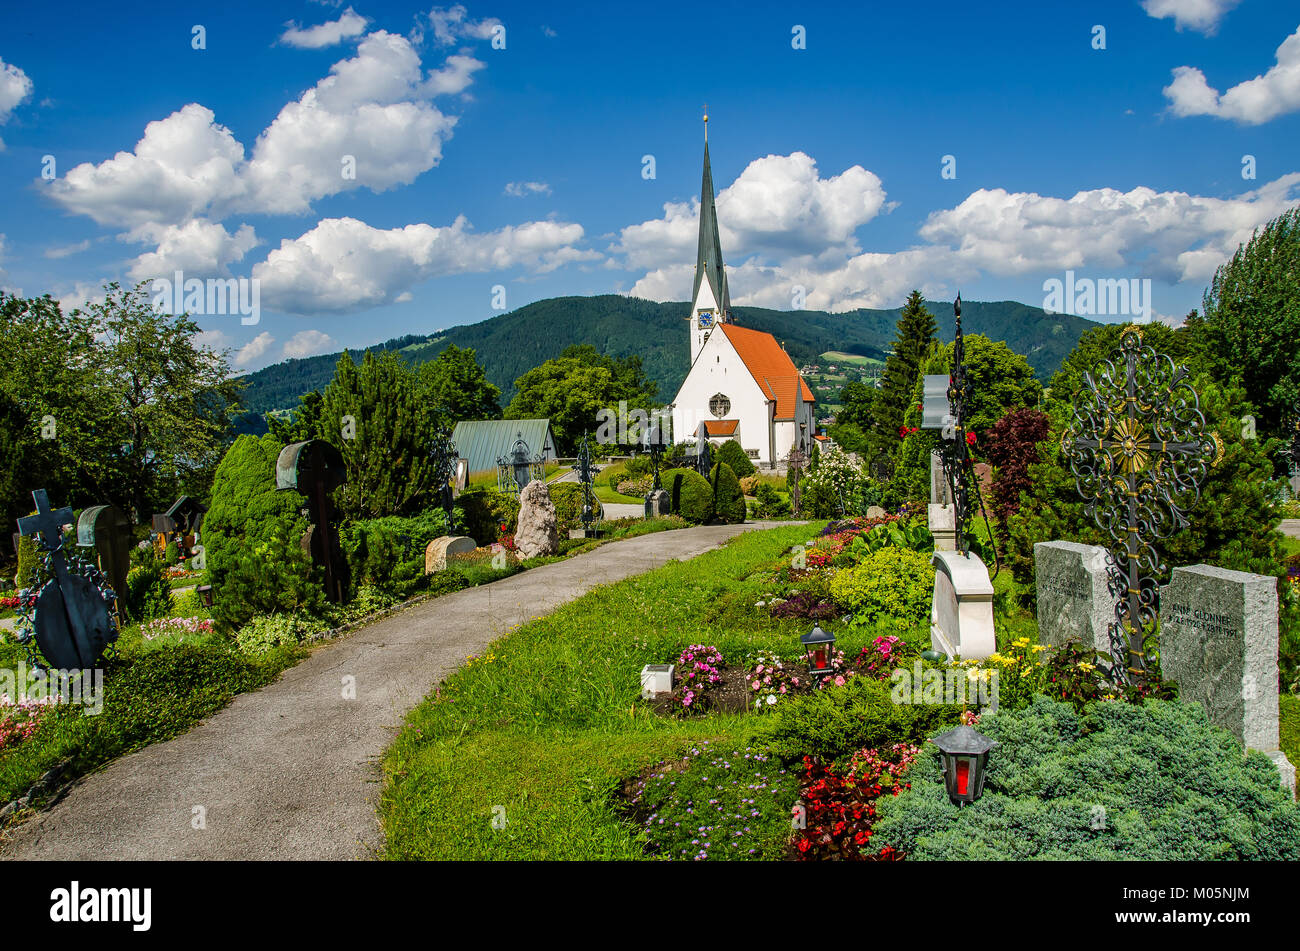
[710,299]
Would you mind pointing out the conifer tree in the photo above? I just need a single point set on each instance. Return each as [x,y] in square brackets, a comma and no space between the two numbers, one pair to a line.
[916,333]
[372,413]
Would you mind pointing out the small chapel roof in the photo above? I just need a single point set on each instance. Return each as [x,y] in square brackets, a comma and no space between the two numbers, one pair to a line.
[771,368]
[721,427]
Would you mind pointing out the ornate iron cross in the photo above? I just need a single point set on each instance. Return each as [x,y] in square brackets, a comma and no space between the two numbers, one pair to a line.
[586,475]
[1137,444]
[444,454]
[954,450]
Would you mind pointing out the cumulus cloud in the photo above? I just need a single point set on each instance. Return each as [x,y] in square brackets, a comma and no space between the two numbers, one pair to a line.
[369,124]
[779,205]
[522,189]
[254,350]
[350,24]
[1252,102]
[217,340]
[199,248]
[1172,236]
[308,343]
[15,86]
[344,265]
[1200,15]
[450,25]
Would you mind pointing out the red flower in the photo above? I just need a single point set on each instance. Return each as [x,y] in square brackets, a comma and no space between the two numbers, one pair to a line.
[970,439]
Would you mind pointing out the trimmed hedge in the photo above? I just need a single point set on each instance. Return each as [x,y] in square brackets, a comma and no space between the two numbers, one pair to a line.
[388,553]
[691,495]
[728,500]
[733,454]
[481,511]
[1156,782]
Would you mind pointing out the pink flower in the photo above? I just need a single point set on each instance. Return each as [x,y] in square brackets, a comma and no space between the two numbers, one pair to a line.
[839,681]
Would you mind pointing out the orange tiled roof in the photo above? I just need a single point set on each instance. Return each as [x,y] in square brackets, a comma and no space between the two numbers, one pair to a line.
[770,366]
[721,427]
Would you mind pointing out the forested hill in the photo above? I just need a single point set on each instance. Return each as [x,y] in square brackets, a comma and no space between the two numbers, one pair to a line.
[510,344]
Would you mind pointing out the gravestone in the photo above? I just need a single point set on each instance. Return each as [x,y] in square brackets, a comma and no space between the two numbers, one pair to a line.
[961,615]
[440,549]
[106,529]
[315,469]
[1074,599]
[537,530]
[657,503]
[462,475]
[1218,642]
[875,511]
[943,514]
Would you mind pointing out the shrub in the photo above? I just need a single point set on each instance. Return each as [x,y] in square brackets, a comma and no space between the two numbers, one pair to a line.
[1138,783]
[734,455]
[267,632]
[148,595]
[1012,449]
[768,503]
[567,497]
[252,539]
[698,675]
[894,583]
[690,493]
[480,512]
[749,484]
[835,722]
[388,553]
[728,501]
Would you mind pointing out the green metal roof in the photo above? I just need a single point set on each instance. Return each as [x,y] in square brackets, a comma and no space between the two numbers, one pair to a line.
[708,259]
[483,441]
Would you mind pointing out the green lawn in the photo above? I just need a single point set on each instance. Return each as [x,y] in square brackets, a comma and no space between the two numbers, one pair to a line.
[550,719]
[606,494]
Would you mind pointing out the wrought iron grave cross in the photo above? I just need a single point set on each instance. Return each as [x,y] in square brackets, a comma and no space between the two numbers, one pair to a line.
[586,475]
[1137,443]
[444,455]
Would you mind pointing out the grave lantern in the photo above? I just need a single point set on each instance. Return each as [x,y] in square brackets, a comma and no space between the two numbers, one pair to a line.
[817,645]
[965,753]
[205,594]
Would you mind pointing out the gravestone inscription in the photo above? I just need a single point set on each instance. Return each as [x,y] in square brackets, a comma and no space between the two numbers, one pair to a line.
[1074,598]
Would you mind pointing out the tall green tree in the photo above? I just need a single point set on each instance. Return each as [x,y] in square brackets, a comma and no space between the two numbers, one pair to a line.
[373,414]
[454,388]
[573,389]
[916,333]
[1252,319]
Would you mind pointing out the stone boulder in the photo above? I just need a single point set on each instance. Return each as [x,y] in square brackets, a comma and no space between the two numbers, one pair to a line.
[537,532]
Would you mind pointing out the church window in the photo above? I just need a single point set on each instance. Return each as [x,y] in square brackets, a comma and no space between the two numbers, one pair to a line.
[719,405]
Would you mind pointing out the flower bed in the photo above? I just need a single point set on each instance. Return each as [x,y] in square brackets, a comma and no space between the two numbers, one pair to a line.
[19,719]
[176,627]
[837,809]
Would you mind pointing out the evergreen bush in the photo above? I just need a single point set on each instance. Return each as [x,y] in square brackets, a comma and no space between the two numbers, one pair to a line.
[1117,782]
[252,539]
[567,497]
[691,494]
[893,584]
[734,455]
[480,512]
[388,553]
[728,500]
[148,594]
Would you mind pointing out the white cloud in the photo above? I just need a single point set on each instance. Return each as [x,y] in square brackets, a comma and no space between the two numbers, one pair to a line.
[1254,101]
[344,265]
[350,24]
[452,24]
[199,248]
[181,165]
[15,86]
[254,350]
[779,205]
[1200,15]
[523,189]
[68,250]
[308,343]
[373,112]
[82,295]
[217,340]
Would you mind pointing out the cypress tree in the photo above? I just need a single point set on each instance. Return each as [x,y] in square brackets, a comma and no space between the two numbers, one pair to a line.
[916,332]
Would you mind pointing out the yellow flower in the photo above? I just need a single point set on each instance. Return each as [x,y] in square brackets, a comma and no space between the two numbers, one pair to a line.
[1039,647]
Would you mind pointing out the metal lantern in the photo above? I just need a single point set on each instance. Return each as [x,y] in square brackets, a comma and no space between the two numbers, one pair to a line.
[965,753]
[817,646]
[205,594]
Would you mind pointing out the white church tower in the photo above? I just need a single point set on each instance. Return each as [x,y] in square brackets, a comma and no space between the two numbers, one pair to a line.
[710,302]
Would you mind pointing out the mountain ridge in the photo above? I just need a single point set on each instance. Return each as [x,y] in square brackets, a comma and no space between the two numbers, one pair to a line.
[509,344]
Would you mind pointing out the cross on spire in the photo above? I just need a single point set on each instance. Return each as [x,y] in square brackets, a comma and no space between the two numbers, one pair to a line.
[48,524]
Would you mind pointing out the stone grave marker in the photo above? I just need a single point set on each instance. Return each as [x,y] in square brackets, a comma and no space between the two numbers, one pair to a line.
[447,546]
[106,529]
[657,503]
[537,530]
[1218,642]
[1074,599]
[961,615]
[315,468]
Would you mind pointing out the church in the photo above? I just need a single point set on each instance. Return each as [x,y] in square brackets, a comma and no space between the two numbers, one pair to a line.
[742,385]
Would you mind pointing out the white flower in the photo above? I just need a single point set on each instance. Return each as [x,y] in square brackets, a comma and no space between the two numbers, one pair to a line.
[771,699]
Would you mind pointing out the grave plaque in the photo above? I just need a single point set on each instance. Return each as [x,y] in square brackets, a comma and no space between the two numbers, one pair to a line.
[961,615]
[107,529]
[942,514]
[315,469]
[1074,598]
[1218,642]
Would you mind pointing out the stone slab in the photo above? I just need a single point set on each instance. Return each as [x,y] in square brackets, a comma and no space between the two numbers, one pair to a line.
[440,549]
[943,526]
[1074,599]
[961,614]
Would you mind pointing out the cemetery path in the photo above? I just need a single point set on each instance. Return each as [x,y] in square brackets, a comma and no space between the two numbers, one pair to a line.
[292,770]
[1291,526]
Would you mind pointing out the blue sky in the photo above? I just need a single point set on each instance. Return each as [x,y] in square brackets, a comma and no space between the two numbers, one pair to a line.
[502,145]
